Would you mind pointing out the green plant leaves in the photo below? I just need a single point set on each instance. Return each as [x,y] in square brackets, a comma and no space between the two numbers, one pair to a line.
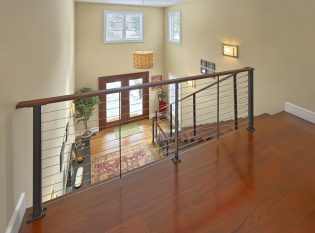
[84,107]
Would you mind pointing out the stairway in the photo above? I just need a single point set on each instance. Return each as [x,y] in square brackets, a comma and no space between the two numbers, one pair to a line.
[204,133]
[230,98]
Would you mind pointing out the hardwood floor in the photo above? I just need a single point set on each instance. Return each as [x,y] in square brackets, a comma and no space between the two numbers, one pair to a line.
[106,141]
[261,182]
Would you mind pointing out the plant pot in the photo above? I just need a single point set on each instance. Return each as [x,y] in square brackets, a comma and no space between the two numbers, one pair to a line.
[80,158]
[86,134]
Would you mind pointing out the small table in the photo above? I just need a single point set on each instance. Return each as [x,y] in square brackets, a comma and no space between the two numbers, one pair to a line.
[83,150]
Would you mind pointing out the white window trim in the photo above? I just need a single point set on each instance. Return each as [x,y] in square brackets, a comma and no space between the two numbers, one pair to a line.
[170,27]
[123,41]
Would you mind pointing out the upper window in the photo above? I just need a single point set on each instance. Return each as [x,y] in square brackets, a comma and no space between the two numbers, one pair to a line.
[174,25]
[123,26]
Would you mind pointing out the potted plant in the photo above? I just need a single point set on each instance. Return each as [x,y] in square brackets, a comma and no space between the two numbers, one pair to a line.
[84,109]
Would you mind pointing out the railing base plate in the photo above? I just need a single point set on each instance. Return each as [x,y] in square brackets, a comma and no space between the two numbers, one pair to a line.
[176,161]
[32,219]
[250,130]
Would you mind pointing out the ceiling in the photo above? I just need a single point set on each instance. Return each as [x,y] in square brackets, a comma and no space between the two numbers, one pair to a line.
[156,3]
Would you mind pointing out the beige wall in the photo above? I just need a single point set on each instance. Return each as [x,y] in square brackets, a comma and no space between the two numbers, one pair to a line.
[95,59]
[275,37]
[36,60]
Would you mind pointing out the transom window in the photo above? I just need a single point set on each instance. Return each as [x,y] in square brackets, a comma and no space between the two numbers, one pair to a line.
[123,26]
[174,24]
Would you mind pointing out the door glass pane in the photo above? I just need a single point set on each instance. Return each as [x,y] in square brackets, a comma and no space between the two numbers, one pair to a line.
[135,99]
[112,103]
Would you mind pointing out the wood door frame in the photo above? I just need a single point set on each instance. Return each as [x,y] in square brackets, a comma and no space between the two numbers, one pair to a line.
[124,78]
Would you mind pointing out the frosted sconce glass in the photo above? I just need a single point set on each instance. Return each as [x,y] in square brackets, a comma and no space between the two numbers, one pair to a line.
[230,50]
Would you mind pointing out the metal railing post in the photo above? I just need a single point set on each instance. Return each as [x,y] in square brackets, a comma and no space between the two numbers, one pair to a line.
[38,210]
[156,122]
[120,109]
[153,127]
[194,115]
[235,102]
[171,120]
[250,101]
[176,159]
[218,108]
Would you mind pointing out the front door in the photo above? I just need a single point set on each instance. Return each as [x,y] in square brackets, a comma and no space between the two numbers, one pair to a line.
[128,106]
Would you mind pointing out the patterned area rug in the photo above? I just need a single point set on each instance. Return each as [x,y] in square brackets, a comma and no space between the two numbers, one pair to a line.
[107,166]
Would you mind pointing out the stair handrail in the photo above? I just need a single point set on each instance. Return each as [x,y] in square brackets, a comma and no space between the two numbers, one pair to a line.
[204,88]
[194,94]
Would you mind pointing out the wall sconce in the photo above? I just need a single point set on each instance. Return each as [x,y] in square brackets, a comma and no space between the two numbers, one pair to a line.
[230,50]
[191,83]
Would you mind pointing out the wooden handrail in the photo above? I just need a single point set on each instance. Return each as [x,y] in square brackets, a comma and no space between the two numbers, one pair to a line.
[204,88]
[44,101]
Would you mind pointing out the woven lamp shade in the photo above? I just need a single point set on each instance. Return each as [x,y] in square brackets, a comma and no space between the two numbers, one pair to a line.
[143,59]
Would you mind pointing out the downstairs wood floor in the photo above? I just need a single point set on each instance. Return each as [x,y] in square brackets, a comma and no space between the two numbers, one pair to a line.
[262,182]
[107,141]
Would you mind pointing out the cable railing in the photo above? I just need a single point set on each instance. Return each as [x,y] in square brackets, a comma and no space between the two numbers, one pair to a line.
[122,139]
[159,136]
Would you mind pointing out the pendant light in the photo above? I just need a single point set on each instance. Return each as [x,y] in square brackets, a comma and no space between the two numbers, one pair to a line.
[143,59]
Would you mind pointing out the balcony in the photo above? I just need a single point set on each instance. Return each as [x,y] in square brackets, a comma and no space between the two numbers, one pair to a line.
[245,182]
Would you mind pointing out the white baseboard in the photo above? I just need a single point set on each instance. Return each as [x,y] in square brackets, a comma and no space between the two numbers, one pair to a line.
[17,216]
[300,112]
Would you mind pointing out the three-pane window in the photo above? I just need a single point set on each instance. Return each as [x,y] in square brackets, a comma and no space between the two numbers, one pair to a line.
[123,26]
